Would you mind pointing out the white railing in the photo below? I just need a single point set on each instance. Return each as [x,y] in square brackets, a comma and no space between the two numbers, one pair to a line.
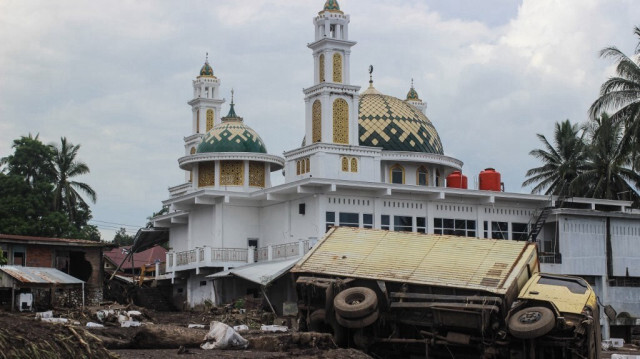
[206,256]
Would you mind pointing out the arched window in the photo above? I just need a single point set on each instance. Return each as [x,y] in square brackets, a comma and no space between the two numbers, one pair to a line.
[197,121]
[303,166]
[316,122]
[397,174]
[422,176]
[209,119]
[354,165]
[192,151]
[308,164]
[298,167]
[337,68]
[340,121]
[321,67]
[345,164]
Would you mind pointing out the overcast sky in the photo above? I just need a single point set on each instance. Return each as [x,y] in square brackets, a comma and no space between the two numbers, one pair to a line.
[115,77]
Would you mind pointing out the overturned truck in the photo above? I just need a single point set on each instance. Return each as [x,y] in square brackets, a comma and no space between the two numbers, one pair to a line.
[399,294]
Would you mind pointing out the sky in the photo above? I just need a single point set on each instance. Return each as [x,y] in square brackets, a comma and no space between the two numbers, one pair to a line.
[115,77]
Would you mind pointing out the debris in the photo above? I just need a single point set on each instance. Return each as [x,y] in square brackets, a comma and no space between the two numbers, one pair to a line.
[94,325]
[241,328]
[222,336]
[199,326]
[130,323]
[274,328]
[47,314]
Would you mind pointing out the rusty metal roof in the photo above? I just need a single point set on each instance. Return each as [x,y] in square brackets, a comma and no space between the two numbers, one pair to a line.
[450,261]
[39,275]
[51,241]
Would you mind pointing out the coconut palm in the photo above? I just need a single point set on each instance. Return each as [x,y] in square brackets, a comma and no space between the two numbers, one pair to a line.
[622,93]
[562,162]
[66,194]
[607,173]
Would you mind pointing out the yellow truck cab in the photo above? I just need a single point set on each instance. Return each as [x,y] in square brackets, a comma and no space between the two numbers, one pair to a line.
[556,316]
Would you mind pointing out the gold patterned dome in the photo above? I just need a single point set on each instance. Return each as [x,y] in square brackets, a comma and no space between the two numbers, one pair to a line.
[232,135]
[390,123]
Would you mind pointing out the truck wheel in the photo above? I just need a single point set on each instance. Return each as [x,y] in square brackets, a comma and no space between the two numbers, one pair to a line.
[357,323]
[531,322]
[356,302]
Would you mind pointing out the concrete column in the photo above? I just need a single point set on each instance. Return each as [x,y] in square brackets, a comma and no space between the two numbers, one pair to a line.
[269,252]
[301,248]
[251,254]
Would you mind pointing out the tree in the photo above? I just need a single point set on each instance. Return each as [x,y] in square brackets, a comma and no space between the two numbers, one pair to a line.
[122,238]
[66,196]
[622,93]
[607,173]
[561,164]
[32,160]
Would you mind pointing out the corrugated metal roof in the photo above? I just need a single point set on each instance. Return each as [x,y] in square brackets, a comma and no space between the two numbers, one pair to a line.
[39,275]
[261,273]
[450,261]
[53,241]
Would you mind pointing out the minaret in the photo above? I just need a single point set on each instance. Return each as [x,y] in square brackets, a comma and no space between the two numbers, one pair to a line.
[205,108]
[205,104]
[414,99]
[331,104]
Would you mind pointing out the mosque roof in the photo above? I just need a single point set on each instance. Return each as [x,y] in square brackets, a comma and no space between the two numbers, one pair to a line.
[331,5]
[412,95]
[388,122]
[206,69]
[232,135]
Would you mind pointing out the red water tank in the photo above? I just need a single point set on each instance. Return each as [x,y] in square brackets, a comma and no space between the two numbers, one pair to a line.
[489,180]
[457,180]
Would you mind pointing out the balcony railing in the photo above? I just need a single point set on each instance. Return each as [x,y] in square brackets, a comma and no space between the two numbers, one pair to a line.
[222,257]
[548,257]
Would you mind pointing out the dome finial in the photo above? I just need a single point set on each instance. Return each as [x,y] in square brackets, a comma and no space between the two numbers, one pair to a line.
[370,75]
[412,95]
[231,116]
[331,5]
[412,82]
[206,58]
[206,69]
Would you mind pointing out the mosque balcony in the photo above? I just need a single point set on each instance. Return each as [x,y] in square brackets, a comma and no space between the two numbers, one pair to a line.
[421,157]
[208,257]
[180,189]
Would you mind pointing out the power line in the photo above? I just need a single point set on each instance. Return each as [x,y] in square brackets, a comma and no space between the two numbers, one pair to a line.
[119,224]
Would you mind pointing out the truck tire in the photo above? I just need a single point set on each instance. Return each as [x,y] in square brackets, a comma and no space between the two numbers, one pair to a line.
[357,323]
[531,322]
[356,302]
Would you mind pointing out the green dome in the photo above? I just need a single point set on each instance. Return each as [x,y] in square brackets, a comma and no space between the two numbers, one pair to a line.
[388,122]
[413,95]
[206,70]
[232,135]
[331,5]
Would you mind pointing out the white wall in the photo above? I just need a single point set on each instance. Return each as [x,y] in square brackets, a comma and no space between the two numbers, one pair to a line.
[201,226]
[239,224]
[178,238]
[274,224]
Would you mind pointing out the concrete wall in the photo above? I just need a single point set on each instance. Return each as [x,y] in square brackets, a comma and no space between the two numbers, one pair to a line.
[247,225]
[625,247]
[201,226]
[178,238]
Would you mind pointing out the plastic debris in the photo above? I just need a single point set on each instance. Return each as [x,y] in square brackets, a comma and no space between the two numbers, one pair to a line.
[222,336]
[198,326]
[274,328]
[94,325]
[241,328]
[47,314]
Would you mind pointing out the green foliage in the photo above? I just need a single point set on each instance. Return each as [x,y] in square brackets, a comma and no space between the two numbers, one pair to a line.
[122,238]
[27,195]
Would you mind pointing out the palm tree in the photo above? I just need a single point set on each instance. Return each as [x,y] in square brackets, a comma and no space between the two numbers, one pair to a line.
[622,93]
[608,172]
[561,164]
[66,194]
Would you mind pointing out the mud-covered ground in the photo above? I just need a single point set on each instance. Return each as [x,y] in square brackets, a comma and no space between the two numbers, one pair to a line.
[242,354]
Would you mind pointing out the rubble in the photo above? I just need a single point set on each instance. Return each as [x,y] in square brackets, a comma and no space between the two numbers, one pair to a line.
[222,336]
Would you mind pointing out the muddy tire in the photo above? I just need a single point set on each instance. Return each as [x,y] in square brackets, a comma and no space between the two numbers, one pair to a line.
[532,322]
[357,302]
[357,323]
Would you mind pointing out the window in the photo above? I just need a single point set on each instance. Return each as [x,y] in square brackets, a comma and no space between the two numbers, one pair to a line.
[345,164]
[209,124]
[354,165]
[403,223]
[455,227]
[203,283]
[499,230]
[384,221]
[340,121]
[298,168]
[330,220]
[367,220]
[421,225]
[397,174]
[307,163]
[349,219]
[519,231]
[316,121]
[422,176]
[252,242]
[321,67]
[337,67]
[197,121]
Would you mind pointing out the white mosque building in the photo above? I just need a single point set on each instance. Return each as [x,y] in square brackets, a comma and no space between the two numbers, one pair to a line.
[368,160]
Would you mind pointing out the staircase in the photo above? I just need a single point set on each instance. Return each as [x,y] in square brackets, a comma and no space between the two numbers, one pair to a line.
[541,218]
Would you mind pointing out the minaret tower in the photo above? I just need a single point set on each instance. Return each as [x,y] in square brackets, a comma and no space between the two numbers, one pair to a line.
[205,108]
[331,104]
[414,99]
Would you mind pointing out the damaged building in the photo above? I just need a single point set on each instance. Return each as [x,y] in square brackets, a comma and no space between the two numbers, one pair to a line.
[76,258]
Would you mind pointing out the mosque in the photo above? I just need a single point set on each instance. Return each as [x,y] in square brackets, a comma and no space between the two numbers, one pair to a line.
[368,160]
